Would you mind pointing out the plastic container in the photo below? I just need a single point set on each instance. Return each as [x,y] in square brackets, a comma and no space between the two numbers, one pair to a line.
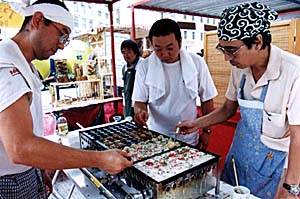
[62,125]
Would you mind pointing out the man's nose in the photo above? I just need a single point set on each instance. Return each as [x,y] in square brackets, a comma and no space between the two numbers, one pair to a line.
[61,46]
[164,54]
[227,57]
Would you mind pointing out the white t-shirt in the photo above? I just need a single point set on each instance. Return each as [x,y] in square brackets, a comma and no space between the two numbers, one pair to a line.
[12,87]
[166,112]
[282,102]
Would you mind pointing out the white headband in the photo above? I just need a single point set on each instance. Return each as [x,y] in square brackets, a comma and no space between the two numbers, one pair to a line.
[52,12]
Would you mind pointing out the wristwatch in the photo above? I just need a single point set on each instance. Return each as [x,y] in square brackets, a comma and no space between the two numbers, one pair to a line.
[207,131]
[292,188]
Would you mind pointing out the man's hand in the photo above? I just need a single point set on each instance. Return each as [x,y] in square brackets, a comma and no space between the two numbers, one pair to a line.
[114,161]
[141,118]
[284,194]
[187,126]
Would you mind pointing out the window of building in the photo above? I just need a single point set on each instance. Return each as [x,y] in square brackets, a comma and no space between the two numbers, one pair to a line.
[106,15]
[75,6]
[91,24]
[201,19]
[193,35]
[201,36]
[84,23]
[99,13]
[207,20]
[193,18]
[83,8]
[214,20]
[184,16]
[185,34]
[90,10]
[76,21]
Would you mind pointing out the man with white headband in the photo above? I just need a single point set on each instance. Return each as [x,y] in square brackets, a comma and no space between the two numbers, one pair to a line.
[265,85]
[23,152]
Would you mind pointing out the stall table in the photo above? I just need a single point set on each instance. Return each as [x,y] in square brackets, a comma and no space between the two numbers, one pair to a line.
[87,113]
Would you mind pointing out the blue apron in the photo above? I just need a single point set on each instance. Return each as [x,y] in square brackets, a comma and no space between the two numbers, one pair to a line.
[258,167]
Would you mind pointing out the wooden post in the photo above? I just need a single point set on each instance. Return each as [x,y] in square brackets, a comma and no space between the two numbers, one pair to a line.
[297,37]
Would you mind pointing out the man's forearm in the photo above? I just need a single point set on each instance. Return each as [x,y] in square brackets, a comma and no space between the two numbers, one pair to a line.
[139,107]
[293,174]
[207,107]
[219,115]
[42,153]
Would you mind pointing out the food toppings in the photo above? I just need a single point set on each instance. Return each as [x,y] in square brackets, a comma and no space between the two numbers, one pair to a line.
[148,148]
[166,165]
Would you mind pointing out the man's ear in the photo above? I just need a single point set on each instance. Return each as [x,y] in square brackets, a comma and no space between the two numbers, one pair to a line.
[180,43]
[259,42]
[37,19]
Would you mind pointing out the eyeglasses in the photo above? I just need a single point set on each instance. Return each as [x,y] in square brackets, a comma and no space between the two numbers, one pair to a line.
[64,38]
[228,51]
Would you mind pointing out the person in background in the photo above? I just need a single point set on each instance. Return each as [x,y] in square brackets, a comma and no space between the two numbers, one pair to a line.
[24,153]
[265,85]
[131,54]
[168,83]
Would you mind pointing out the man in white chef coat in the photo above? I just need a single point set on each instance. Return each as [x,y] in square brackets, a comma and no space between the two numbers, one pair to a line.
[168,82]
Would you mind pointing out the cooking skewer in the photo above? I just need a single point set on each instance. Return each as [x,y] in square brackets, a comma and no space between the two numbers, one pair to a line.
[238,190]
[94,180]
[177,131]
[145,127]
[67,96]
[79,125]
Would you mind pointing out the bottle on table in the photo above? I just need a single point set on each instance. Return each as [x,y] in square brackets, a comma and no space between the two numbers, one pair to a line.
[62,125]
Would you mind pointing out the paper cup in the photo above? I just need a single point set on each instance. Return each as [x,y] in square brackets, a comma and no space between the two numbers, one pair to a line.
[243,194]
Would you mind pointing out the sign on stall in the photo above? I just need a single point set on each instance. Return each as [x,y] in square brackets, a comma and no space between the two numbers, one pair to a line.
[9,18]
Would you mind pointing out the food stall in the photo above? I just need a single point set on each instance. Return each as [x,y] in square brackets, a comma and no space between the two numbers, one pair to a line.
[163,167]
[151,176]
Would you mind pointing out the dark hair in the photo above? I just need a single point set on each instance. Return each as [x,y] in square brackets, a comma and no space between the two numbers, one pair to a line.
[55,2]
[164,27]
[132,45]
[267,39]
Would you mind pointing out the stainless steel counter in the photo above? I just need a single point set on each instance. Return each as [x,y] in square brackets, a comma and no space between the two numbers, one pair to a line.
[83,184]
[80,180]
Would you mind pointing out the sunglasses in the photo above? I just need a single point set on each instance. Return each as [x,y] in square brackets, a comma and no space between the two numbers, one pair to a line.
[64,38]
[228,51]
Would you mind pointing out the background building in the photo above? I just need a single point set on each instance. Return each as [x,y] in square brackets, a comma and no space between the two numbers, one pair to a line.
[88,17]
